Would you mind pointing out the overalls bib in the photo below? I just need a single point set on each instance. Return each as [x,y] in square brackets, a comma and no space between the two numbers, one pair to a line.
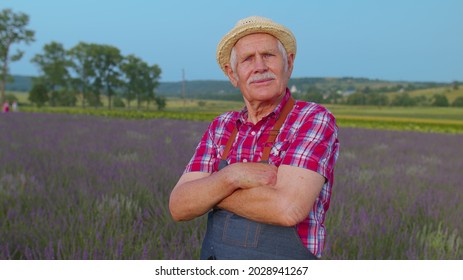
[230,236]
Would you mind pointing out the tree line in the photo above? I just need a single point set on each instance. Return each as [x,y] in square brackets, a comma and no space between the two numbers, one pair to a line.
[367,96]
[87,71]
[91,71]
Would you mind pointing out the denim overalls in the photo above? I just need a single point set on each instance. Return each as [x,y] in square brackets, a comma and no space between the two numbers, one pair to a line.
[230,236]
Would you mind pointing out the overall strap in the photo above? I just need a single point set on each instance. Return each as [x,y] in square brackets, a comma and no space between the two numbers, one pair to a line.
[230,141]
[276,129]
[272,134]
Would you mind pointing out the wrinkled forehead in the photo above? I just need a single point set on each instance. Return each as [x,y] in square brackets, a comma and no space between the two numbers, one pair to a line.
[257,42]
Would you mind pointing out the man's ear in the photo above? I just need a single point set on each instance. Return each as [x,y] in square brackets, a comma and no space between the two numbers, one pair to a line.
[231,75]
[290,63]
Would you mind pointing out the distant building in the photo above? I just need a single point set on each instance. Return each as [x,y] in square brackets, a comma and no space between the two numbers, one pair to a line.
[294,89]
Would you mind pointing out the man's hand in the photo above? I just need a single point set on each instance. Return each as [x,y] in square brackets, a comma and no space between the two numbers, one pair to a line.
[251,174]
[198,192]
[285,203]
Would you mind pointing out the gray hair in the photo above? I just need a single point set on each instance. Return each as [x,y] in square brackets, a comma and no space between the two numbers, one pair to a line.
[281,48]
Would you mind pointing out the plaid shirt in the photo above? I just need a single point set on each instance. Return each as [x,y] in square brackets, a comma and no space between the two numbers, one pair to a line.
[307,139]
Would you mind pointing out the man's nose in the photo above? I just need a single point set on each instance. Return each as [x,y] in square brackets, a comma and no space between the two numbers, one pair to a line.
[259,64]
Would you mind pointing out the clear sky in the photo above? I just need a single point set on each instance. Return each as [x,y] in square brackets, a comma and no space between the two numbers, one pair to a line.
[403,40]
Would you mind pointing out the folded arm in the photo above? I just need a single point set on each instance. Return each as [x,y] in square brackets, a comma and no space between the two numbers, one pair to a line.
[257,191]
[287,203]
[198,192]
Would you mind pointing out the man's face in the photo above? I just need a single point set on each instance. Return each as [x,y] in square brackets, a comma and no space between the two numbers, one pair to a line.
[260,68]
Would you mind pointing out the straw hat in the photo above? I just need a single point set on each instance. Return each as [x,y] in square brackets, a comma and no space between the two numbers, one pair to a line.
[251,25]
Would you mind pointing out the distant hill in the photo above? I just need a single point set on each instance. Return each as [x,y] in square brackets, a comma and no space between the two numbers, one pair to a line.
[215,89]
[20,83]
[199,89]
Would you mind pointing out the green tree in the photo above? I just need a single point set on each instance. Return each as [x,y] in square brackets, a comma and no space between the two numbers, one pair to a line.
[377,99]
[62,97]
[38,94]
[12,31]
[366,90]
[160,102]
[422,100]
[313,94]
[11,98]
[440,100]
[118,102]
[133,69]
[334,97]
[106,62]
[152,76]
[458,102]
[404,100]
[81,60]
[53,65]
[357,98]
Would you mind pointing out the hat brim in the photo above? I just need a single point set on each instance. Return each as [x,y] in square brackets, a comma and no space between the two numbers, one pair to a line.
[284,35]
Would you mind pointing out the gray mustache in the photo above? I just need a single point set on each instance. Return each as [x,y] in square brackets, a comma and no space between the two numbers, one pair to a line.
[264,76]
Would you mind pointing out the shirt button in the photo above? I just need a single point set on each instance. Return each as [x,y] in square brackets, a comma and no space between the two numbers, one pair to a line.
[245,160]
[253,133]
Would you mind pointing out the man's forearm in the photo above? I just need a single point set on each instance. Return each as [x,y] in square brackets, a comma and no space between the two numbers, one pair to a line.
[262,204]
[196,193]
[286,203]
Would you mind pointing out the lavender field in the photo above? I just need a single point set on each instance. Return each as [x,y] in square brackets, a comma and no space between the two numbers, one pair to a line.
[86,187]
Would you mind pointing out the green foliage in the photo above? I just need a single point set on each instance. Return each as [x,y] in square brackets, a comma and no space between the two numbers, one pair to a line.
[100,70]
[11,98]
[367,97]
[118,102]
[403,100]
[127,114]
[80,57]
[439,241]
[315,97]
[53,64]
[445,125]
[440,100]
[94,100]
[397,124]
[160,102]
[12,31]
[422,100]
[140,80]
[62,97]
[105,61]
[357,98]
[377,99]
[38,95]
[458,102]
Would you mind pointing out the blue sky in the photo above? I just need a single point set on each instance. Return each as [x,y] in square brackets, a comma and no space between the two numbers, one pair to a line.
[403,40]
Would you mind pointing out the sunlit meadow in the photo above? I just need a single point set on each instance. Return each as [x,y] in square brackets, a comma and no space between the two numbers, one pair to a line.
[88,187]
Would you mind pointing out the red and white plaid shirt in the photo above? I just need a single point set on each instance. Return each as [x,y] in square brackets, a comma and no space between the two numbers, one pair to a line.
[307,139]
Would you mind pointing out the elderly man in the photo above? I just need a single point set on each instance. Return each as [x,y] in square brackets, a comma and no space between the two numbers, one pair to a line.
[264,174]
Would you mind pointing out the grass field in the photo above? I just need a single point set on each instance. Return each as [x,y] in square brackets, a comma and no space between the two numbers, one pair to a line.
[427,119]
[417,113]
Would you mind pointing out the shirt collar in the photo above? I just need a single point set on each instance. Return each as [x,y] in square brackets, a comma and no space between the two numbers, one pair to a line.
[274,114]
